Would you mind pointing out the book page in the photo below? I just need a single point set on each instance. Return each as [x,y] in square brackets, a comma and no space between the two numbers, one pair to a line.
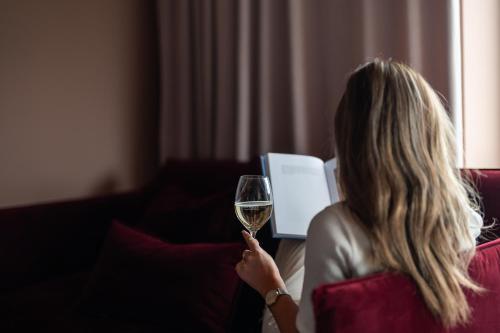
[300,191]
[331,179]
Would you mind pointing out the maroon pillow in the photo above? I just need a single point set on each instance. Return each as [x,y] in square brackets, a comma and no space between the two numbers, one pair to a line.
[184,287]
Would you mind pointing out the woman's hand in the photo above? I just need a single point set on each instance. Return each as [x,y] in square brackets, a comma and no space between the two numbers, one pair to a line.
[257,268]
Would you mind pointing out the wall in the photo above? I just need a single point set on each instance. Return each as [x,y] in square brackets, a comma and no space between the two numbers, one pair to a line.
[481,82]
[78,98]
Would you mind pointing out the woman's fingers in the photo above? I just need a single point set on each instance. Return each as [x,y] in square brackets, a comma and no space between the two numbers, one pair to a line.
[238,265]
[257,268]
[245,254]
[252,243]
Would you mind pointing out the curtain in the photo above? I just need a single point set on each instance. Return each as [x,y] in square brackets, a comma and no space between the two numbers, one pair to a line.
[244,77]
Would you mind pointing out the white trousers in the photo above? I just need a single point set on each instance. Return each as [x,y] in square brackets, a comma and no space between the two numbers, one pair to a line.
[290,262]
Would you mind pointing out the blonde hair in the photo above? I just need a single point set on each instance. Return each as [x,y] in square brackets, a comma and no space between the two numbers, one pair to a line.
[397,172]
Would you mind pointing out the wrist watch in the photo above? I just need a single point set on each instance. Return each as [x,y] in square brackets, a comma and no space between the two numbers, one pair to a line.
[273,294]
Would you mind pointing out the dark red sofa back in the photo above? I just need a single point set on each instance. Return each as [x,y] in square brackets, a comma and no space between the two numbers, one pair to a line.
[488,185]
[390,302]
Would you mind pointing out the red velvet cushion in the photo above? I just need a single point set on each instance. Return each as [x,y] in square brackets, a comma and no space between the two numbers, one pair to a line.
[390,302]
[185,287]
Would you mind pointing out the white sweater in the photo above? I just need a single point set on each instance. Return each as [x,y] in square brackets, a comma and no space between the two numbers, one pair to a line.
[338,248]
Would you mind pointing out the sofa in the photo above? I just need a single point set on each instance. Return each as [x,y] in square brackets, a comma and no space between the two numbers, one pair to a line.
[157,259]
[389,302]
[52,254]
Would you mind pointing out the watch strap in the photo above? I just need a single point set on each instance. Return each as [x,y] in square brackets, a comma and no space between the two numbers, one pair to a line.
[273,295]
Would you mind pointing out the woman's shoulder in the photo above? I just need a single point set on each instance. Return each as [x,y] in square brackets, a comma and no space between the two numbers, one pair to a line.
[336,224]
[333,221]
[332,216]
[337,235]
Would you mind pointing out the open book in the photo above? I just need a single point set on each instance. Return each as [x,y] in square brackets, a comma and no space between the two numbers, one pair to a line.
[302,186]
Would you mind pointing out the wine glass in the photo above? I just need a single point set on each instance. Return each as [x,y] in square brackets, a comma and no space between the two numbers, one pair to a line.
[253,202]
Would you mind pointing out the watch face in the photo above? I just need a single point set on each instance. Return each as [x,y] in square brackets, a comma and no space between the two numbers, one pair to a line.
[271,297]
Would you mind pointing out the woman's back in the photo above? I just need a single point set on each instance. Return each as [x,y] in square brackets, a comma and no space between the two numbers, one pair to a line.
[397,163]
[338,247]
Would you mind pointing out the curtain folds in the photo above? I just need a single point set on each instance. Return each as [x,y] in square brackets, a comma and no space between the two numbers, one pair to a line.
[243,77]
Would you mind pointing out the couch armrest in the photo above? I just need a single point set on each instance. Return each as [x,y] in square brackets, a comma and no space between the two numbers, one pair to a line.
[41,241]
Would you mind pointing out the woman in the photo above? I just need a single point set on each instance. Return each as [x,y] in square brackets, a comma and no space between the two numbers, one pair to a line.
[405,207]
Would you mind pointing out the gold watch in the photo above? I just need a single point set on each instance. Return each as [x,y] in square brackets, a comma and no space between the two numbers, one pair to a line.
[273,295]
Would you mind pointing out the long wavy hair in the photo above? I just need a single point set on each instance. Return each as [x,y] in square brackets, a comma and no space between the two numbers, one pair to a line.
[397,172]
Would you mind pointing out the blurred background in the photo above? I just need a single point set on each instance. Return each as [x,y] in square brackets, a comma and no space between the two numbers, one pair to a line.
[96,95]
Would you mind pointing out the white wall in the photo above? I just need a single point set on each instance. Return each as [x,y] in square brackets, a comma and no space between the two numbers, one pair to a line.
[78,98]
[481,82]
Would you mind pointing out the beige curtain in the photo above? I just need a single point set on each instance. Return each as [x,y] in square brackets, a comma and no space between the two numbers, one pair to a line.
[243,77]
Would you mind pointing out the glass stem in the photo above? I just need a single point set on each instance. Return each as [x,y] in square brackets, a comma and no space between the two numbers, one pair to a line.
[253,233]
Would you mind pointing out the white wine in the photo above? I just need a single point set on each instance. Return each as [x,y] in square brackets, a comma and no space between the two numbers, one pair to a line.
[253,214]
